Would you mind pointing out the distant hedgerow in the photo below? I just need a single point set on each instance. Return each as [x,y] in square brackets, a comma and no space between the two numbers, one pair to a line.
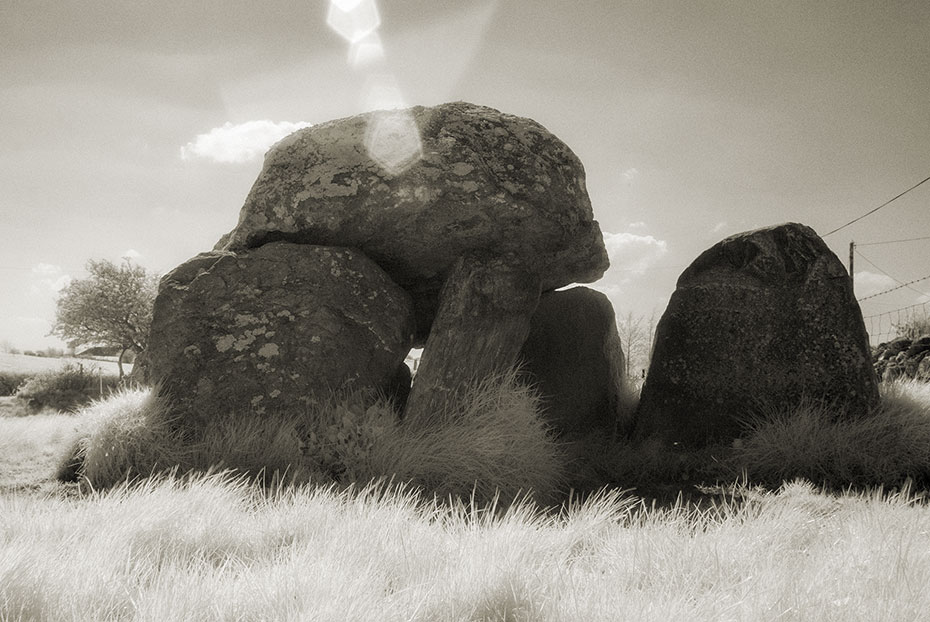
[11,380]
[66,389]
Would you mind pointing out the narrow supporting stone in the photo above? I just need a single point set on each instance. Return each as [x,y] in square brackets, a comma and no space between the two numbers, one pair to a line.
[483,319]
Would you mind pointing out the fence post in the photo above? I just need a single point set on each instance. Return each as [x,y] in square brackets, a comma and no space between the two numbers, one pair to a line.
[852,278]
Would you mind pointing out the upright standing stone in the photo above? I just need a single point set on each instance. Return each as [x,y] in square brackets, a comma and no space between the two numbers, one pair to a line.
[766,317]
[483,319]
[574,356]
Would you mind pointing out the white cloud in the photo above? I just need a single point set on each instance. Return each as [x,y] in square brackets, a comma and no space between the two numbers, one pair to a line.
[51,279]
[639,225]
[720,226]
[633,253]
[131,254]
[239,142]
[46,269]
[630,174]
[868,283]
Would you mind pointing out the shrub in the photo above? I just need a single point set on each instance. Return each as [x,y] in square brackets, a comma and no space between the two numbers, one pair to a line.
[11,380]
[66,389]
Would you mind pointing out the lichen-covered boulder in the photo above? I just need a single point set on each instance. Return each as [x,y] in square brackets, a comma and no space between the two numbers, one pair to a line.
[268,328]
[482,183]
[763,318]
[574,357]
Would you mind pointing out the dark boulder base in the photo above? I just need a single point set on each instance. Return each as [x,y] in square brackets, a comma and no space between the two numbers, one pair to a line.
[763,318]
[265,329]
[574,358]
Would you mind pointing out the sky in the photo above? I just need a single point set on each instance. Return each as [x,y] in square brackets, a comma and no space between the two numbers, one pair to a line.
[136,129]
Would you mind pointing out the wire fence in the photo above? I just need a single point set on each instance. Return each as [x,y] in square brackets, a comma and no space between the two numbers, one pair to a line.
[884,327]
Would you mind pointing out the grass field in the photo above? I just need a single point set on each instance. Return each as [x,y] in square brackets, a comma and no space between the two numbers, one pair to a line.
[212,547]
[35,364]
[31,447]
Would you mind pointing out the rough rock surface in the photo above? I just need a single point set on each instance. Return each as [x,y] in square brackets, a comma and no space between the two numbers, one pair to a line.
[483,183]
[574,357]
[766,316]
[903,358]
[264,329]
[483,319]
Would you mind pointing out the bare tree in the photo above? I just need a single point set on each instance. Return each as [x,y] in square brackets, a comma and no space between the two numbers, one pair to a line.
[636,335]
[112,307]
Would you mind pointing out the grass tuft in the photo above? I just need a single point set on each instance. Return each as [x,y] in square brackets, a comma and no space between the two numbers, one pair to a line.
[214,548]
[126,436]
[492,443]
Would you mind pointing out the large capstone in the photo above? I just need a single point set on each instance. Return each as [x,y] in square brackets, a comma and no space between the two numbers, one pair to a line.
[269,328]
[763,319]
[574,358]
[481,183]
[484,212]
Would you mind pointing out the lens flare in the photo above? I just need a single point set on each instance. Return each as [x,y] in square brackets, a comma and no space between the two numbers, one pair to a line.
[346,5]
[366,51]
[356,22]
[393,140]
[382,91]
[391,136]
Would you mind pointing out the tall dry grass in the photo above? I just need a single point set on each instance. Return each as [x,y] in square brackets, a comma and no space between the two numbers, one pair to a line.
[215,548]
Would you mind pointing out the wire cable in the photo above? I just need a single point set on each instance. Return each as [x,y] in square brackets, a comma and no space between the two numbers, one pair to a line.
[874,265]
[887,291]
[879,207]
[891,242]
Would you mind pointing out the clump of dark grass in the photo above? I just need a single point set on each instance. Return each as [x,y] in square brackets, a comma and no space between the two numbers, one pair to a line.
[67,389]
[824,445]
[494,444]
[810,440]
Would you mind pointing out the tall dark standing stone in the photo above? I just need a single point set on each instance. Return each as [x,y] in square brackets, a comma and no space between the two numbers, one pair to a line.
[574,357]
[763,317]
